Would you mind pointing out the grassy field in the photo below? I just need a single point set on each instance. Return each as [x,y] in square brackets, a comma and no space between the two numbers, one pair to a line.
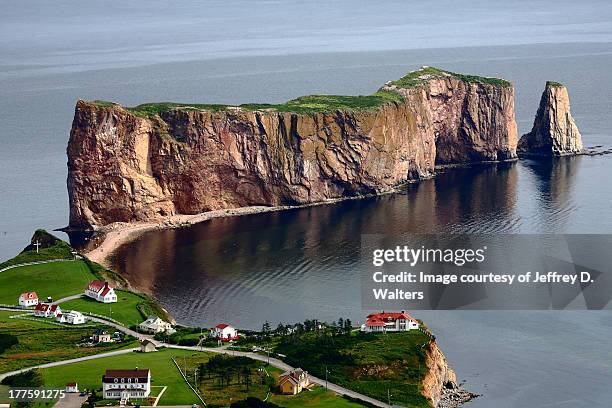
[370,364]
[303,105]
[41,342]
[414,78]
[318,397]
[56,279]
[163,373]
[50,248]
[130,309]
[312,104]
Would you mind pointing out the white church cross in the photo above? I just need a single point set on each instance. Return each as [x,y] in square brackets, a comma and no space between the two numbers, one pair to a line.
[36,244]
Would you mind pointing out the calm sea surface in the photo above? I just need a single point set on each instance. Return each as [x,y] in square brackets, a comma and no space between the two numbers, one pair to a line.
[302,264]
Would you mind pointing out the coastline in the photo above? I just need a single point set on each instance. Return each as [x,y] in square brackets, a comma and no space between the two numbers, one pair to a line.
[109,238]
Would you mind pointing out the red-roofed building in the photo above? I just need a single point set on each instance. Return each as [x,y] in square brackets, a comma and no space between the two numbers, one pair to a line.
[101,291]
[224,332]
[389,322]
[28,299]
[47,310]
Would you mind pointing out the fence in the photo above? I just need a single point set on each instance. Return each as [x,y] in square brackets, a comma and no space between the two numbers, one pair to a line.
[187,381]
[34,263]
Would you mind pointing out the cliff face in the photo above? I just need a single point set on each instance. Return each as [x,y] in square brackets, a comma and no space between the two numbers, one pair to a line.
[554,131]
[439,377]
[126,165]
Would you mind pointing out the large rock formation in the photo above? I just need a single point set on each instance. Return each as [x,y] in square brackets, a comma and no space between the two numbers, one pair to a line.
[554,131]
[155,160]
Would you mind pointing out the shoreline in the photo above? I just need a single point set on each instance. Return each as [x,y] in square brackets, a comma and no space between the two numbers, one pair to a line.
[114,236]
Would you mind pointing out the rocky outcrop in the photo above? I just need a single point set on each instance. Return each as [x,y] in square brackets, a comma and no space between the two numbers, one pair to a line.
[440,383]
[439,375]
[127,164]
[554,131]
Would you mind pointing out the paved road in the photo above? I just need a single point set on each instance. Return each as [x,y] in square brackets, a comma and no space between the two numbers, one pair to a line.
[34,263]
[67,298]
[71,400]
[71,361]
[285,367]
[273,361]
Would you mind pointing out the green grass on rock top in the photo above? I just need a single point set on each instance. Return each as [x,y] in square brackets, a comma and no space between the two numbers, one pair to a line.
[313,104]
[418,77]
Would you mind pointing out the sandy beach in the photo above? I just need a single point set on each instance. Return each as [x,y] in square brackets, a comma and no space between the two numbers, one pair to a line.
[111,237]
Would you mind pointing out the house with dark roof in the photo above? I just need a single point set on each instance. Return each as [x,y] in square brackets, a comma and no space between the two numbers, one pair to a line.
[101,336]
[126,384]
[293,382]
[101,291]
[389,322]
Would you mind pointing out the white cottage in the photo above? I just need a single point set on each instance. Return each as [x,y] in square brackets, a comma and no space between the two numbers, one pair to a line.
[72,387]
[101,291]
[28,299]
[74,317]
[224,332]
[156,325]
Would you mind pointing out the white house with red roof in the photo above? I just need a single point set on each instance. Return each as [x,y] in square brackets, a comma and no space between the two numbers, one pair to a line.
[389,322]
[47,310]
[101,291]
[224,332]
[28,299]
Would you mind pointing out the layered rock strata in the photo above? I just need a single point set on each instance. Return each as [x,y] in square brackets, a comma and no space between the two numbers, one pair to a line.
[554,131]
[155,160]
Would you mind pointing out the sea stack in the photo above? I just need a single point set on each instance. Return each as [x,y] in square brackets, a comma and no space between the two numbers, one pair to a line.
[554,131]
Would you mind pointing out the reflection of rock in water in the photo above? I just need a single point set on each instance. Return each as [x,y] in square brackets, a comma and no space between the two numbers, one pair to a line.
[554,178]
[480,198]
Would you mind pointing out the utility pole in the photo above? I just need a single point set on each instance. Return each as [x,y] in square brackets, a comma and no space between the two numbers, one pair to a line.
[389,397]
[326,371]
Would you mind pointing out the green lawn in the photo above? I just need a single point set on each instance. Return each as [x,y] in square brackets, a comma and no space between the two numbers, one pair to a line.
[130,308]
[56,279]
[370,364]
[163,373]
[41,342]
[318,397]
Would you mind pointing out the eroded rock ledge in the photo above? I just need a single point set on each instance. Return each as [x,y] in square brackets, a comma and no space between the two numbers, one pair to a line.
[156,160]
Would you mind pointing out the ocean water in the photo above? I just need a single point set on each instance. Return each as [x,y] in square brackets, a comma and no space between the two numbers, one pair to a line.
[302,264]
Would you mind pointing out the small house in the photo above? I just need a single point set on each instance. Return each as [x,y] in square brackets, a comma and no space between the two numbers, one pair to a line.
[72,387]
[293,382]
[101,336]
[47,310]
[74,317]
[101,291]
[147,346]
[224,332]
[156,325]
[28,299]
